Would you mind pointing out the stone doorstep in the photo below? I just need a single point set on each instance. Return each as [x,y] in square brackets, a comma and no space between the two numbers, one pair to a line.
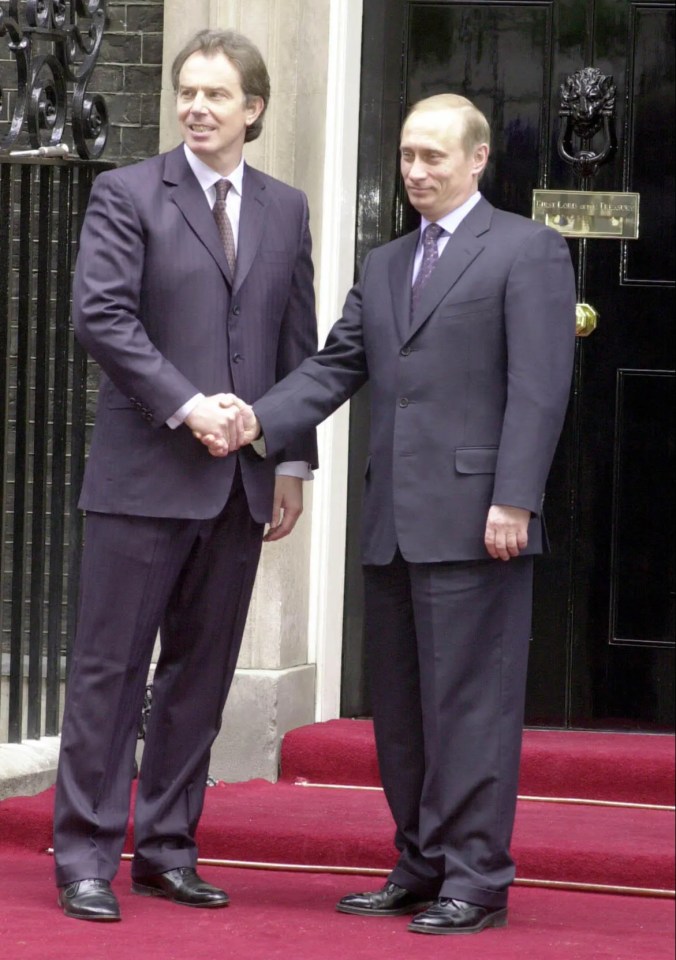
[263,705]
[28,768]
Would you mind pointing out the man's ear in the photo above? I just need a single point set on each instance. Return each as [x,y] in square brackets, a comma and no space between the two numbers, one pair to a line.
[480,158]
[254,108]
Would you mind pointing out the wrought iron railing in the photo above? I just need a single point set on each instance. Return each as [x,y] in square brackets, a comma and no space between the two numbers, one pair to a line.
[55,45]
[43,377]
[52,46]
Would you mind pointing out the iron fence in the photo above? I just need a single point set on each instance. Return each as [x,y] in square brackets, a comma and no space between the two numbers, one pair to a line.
[45,390]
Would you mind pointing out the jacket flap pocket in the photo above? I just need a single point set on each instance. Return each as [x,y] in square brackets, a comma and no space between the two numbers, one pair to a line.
[476,459]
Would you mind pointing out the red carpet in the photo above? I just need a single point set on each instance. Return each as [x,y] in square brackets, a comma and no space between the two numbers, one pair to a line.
[285,823]
[288,824]
[291,915]
[632,768]
[284,916]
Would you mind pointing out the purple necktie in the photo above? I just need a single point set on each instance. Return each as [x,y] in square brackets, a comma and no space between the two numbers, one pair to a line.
[223,223]
[429,261]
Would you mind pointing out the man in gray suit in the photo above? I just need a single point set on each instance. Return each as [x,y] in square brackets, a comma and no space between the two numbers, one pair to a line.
[194,279]
[465,332]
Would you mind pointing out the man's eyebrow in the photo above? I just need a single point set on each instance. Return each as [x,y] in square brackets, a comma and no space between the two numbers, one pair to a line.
[189,86]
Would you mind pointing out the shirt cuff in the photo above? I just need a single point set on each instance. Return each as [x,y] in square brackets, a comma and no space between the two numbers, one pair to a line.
[179,417]
[259,447]
[293,468]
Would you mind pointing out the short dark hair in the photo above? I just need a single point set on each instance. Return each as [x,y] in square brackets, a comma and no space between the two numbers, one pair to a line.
[476,129]
[243,54]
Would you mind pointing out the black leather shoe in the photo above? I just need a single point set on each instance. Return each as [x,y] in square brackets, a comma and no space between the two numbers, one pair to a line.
[182,885]
[458,916]
[391,901]
[89,900]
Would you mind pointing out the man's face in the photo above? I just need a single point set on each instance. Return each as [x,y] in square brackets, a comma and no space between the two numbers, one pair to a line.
[439,176]
[212,110]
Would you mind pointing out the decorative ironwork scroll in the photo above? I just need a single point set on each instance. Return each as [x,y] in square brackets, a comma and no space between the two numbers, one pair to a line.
[587,109]
[74,29]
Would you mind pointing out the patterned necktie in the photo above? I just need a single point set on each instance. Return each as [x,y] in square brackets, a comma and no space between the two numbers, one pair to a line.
[223,223]
[429,261]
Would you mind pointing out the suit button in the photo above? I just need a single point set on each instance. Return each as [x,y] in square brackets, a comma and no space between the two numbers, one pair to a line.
[236,310]
[237,358]
[404,352]
[404,402]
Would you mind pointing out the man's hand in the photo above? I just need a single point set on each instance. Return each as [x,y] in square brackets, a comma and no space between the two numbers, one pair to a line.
[223,423]
[506,531]
[287,507]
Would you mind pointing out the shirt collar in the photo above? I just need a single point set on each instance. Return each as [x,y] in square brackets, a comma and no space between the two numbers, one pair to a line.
[208,177]
[452,220]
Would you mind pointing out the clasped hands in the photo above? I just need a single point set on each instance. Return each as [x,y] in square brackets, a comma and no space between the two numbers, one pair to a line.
[223,423]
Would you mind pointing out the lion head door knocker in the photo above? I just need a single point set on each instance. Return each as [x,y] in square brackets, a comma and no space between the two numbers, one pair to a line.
[587,110]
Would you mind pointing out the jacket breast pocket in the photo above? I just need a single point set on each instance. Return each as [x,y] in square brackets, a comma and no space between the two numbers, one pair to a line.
[274,256]
[467,309]
[474,460]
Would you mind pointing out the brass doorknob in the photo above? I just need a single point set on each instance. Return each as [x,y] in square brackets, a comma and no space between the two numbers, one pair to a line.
[586,319]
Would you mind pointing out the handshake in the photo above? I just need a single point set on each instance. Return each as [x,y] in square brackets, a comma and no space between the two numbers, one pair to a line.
[223,423]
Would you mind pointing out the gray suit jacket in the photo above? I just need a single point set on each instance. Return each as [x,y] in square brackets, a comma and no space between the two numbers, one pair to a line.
[154,303]
[467,398]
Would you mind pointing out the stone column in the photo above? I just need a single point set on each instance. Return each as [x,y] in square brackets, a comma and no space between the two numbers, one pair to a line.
[274,687]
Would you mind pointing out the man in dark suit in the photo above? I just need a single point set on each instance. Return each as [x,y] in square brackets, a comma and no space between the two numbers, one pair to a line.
[465,332]
[194,279]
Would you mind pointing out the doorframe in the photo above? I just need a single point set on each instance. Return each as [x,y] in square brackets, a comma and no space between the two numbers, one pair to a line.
[335,276]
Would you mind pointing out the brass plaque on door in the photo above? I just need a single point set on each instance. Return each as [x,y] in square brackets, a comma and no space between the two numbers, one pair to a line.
[588,213]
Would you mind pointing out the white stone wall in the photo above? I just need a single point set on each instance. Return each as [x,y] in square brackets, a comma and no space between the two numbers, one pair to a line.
[289,669]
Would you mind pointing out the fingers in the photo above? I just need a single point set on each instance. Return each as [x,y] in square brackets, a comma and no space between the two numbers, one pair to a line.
[218,423]
[502,545]
[506,533]
[287,520]
[226,400]
[250,429]
[223,423]
[286,509]
[216,446]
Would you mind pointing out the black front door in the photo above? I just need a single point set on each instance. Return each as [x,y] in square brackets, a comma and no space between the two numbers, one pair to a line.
[603,638]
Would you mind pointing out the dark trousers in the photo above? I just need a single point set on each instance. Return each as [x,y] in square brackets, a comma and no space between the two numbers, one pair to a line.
[192,580]
[447,650]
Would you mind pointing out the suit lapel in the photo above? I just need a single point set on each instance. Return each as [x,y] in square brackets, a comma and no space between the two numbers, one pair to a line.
[401,273]
[251,222]
[461,250]
[188,196]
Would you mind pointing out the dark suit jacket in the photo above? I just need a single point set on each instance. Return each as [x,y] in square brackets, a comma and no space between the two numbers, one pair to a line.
[154,303]
[467,399]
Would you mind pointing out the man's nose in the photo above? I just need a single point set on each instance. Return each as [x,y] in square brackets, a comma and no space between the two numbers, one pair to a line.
[417,170]
[197,105]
